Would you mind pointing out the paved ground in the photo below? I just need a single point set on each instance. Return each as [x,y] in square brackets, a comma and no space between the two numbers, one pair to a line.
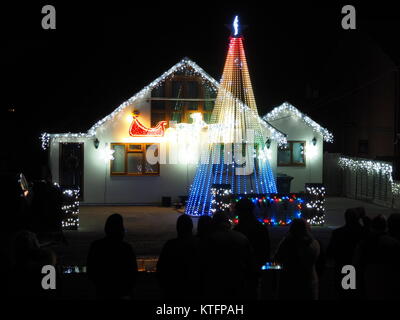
[149,227]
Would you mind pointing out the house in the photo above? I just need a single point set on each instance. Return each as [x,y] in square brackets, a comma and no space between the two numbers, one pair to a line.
[109,163]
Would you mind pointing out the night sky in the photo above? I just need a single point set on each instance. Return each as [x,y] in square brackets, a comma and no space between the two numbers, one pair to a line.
[67,79]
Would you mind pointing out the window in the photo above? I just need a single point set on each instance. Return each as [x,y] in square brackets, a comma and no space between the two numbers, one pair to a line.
[179,97]
[130,159]
[156,118]
[292,154]
[192,89]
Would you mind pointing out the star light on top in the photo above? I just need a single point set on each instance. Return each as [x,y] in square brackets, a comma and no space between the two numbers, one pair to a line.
[236,26]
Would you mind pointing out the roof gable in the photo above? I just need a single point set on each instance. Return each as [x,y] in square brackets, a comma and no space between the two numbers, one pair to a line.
[286,108]
[181,65]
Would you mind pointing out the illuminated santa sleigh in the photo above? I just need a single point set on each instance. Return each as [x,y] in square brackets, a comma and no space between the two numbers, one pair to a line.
[137,129]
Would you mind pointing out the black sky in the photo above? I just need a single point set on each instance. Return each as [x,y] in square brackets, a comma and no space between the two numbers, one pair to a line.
[66,79]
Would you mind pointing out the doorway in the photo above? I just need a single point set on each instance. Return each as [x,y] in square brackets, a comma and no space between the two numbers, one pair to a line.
[71,166]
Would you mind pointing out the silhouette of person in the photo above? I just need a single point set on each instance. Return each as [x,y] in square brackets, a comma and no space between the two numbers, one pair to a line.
[366,221]
[369,249]
[253,229]
[55,200]
[255,232]
[12,201]
[46,208]
[298,253]
[342,246]
[204,227]
[111,262]
[320,264]
[227,262]
[394,232]
[178,262]
[377,262]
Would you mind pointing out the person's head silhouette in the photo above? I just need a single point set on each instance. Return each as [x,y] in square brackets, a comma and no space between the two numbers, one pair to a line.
[184,226]
[244,209]
[351,217]
[378,224]
[299,229]
[114,227]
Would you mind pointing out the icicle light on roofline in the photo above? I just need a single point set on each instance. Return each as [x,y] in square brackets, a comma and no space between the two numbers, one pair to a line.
[286,108]
[371,167]
[181,66]
[46,137]
[280,137]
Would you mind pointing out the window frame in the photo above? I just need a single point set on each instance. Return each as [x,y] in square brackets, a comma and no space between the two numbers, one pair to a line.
[292,164]
[186,111]
[143,150]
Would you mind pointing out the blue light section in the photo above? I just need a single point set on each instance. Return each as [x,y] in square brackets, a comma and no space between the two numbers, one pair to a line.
[199,202]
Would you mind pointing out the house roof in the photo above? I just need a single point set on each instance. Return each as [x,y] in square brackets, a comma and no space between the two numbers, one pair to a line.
[180,66]
[286,108]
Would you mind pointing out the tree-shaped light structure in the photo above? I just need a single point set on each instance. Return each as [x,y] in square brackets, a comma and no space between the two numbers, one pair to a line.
[236,153]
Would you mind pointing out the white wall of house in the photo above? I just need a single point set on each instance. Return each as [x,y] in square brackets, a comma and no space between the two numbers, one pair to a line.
[297,130]
[102,188]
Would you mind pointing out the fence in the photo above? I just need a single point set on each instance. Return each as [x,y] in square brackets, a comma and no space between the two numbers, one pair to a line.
[361,179]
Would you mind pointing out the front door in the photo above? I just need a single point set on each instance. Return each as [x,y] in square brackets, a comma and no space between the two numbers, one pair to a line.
[71,166]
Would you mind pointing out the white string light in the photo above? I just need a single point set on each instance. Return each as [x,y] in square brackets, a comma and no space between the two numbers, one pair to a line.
[316,202]
[287,108]
[371,167]
[184,65]
[220,201]
[71,209]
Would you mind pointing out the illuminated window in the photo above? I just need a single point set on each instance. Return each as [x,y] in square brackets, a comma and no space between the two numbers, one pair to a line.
[192,89]
[292,154]
[130,159]
[179,97]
